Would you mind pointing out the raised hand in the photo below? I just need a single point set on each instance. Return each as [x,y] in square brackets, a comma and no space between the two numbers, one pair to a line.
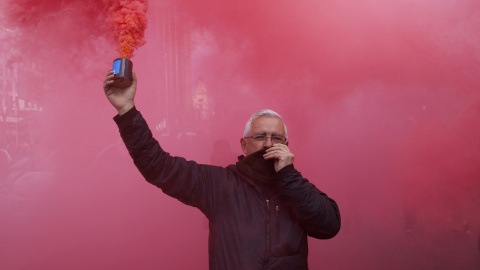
[120,98]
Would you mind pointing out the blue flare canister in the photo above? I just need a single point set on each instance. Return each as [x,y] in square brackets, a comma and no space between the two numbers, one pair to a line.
[122,72]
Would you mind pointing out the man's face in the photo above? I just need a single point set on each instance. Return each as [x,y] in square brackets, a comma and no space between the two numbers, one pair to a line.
[264,125]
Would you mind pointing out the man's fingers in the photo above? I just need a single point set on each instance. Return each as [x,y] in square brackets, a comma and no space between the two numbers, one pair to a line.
[109,78]
[274,154]
[278,151]
[107,87]
[278,147]
[108,81]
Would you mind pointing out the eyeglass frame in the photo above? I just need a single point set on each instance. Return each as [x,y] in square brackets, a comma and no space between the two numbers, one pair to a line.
[283,141]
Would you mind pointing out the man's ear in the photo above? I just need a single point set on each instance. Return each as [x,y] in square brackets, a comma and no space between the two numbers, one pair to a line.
[243,144]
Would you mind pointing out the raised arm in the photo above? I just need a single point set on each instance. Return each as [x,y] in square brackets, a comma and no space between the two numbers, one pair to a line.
[187,181]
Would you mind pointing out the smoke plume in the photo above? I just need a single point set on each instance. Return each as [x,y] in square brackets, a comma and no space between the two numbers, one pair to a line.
[129,21]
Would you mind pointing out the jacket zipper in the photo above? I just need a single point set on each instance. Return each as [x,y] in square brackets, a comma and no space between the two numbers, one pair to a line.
[277,213]
[267,251]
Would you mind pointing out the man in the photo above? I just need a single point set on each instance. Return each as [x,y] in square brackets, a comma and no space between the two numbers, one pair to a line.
[260,210]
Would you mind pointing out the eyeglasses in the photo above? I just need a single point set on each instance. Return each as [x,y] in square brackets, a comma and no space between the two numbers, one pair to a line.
[264,138]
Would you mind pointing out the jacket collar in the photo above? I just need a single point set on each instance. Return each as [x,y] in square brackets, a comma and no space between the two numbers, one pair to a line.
[259,172]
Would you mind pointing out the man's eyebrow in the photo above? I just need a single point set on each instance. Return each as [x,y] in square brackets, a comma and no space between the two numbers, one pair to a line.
[265,134]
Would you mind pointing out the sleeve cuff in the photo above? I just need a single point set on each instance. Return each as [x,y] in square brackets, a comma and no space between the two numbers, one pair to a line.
[126,117]
[284,171]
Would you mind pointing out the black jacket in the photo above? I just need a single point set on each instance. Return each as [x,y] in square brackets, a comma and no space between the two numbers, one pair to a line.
[252,225]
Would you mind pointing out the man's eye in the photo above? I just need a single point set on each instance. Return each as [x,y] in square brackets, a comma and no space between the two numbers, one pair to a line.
[259,137]
[277,138]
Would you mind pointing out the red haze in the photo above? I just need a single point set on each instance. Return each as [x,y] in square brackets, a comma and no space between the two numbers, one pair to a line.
[381,100]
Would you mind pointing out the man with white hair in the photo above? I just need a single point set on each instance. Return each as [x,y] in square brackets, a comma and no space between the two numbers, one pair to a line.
[260,210]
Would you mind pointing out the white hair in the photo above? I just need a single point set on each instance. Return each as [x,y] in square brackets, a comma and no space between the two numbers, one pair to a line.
[266,112]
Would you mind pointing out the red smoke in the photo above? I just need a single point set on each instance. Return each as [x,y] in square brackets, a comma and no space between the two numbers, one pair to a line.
[129,21]
[380,98]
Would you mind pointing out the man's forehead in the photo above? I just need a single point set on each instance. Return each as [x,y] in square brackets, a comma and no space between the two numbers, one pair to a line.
[269,122]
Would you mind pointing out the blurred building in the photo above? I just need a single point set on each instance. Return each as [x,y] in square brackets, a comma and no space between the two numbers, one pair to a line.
[9,116]
[200,103]
[172,35]
[16,113]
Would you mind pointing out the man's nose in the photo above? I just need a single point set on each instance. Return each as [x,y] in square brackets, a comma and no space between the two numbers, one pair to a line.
[268,142]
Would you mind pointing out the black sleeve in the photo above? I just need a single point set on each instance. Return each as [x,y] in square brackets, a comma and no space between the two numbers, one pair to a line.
[317,213]
[193,184]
